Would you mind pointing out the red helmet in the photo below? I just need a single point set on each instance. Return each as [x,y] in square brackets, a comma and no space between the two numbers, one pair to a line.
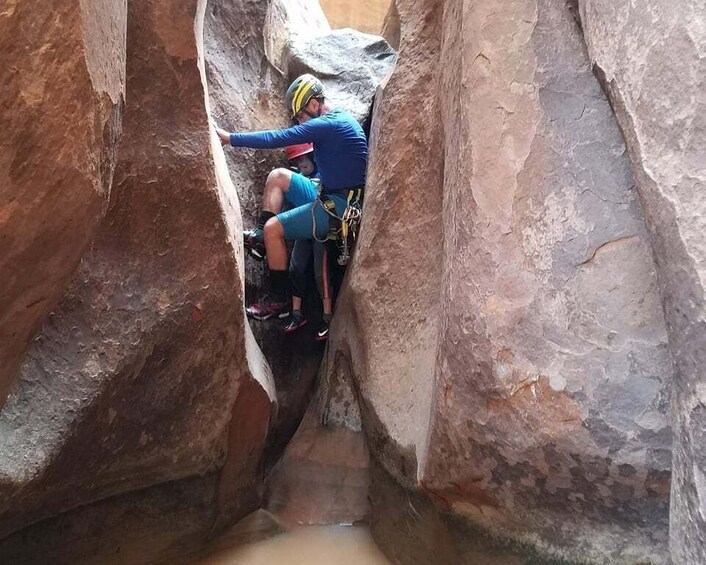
[294,151]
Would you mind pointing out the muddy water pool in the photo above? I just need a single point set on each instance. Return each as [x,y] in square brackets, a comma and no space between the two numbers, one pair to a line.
[309,545]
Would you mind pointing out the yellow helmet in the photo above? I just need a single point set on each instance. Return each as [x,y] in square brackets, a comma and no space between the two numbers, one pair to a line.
[303,89]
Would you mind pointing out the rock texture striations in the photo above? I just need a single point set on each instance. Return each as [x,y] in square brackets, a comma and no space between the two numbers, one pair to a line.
[62,87]
[147,372]
[520,376]
[651,59]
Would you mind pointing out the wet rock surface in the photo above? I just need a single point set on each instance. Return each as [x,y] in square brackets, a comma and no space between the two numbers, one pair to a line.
[322,477]
[166,523]
[650,59]
[62,89]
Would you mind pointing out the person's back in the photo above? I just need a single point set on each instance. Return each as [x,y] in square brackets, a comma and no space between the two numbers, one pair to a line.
[341,152]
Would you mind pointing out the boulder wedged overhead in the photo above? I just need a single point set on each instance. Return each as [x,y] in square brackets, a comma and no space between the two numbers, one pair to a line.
[351,64]
[291,21]
[147,371]
[62,88]
[502,316]
[650,59]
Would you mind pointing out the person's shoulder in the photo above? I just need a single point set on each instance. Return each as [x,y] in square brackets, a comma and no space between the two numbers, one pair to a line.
[338,114]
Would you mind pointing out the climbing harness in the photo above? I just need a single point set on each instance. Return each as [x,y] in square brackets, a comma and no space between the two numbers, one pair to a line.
[345,228]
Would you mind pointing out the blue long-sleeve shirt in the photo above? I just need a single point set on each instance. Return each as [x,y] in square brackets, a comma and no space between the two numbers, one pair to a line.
[340,147]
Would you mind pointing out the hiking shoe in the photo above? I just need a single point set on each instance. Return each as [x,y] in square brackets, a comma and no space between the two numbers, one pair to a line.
[295,322]
[254,242]
[269,305]
[322,333]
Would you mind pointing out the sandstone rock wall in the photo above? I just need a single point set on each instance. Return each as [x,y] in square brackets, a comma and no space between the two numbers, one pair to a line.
[62,88]
[502,318]
[147,372]
[391,26]
[385,326]
[289,22]
[650,57]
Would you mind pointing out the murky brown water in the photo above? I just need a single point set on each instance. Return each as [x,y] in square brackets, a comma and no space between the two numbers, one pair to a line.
[310,545]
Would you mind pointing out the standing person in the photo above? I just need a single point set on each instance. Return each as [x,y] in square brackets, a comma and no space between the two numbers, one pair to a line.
[341,154]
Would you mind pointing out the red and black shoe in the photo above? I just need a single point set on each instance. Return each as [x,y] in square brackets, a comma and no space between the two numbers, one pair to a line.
[296,322]
[254,241]
[269,306]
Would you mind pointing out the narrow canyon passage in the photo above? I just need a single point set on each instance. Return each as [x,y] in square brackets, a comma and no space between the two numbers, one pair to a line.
[514,369]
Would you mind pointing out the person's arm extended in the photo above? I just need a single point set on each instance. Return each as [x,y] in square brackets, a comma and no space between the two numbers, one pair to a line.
[313,131]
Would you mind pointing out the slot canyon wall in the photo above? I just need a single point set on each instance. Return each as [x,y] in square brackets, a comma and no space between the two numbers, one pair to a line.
[502,327]
[651,60]
[144,410]
[519,332]
[63,70]
[144,393]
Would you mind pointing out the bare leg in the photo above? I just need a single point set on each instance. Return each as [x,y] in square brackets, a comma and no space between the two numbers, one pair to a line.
[275,188]
[275,245]
[296,302]
[327,305]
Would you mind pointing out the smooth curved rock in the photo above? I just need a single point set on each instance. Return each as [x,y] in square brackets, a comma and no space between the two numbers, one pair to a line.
[62,88]
[502,320]
[291,21]
[651,58]
[147,372]
[391,26]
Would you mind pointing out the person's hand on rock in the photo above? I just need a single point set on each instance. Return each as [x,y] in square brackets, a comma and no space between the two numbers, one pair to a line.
[223,135]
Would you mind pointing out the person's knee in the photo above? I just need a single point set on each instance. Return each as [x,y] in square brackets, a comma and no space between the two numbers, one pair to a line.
[279,178]
[273,230]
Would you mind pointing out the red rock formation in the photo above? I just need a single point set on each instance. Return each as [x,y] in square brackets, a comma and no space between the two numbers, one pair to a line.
[502,319]
[650,57]
[147,371]
[391,26]
[62,85]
